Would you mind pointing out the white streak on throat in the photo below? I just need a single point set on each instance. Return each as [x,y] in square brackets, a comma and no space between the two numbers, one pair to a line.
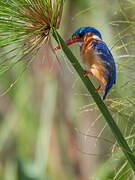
[96,37]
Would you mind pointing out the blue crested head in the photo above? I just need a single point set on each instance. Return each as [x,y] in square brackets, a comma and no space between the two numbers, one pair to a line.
[84,30]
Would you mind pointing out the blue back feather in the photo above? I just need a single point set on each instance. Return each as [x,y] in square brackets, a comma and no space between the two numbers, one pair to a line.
[105,55]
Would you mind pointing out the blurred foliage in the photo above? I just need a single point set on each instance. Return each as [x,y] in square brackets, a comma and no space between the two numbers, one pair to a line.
[45,112]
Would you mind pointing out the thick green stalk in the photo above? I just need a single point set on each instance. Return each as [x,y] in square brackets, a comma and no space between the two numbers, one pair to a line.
[86,81]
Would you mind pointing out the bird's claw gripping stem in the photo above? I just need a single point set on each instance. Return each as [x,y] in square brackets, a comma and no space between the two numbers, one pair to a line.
[97,89]
[87,72]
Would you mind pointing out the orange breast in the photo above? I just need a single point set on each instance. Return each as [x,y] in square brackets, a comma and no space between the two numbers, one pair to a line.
[93,61]
[99,72]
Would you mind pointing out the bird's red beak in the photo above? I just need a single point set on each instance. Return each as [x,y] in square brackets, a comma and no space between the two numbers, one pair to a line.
[68,42]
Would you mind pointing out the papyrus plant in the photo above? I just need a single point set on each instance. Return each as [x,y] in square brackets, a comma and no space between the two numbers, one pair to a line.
[24,26]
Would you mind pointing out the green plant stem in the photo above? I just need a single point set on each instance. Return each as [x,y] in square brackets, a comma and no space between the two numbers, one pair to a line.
[108,117]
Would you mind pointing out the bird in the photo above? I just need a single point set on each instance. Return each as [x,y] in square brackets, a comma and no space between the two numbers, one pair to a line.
[96,56]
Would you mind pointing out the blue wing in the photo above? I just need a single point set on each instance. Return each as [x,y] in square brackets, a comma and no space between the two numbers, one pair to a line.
[105,55]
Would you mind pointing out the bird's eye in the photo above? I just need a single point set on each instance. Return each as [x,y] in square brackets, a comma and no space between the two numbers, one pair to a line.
[81,35]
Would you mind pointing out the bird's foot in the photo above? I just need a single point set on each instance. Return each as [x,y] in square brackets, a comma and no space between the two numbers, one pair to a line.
[97,89]
[87,72]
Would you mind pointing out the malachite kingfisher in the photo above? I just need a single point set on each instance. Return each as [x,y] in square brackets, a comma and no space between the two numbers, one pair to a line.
[96,56]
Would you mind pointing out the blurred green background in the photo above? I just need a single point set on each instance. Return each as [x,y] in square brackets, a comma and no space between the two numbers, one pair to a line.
[50,128]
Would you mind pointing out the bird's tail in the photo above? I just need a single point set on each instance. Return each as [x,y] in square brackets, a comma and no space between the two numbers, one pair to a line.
[108,87]
[106,91]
